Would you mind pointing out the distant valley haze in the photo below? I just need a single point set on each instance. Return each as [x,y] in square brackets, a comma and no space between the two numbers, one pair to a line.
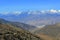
[36,18]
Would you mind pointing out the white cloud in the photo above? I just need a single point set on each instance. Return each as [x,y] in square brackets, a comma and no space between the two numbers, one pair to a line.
[53,11]
[17,12]
[58,10]
[43,11]
[4,13]
[14,13]
[34,12]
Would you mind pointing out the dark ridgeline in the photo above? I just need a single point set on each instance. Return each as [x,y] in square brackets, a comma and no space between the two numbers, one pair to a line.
[18,24]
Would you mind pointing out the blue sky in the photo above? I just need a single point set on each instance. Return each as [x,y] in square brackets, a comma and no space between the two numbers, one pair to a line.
[19,5]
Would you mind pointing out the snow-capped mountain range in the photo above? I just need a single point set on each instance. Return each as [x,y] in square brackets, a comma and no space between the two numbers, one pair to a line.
[37,18]
[52,11]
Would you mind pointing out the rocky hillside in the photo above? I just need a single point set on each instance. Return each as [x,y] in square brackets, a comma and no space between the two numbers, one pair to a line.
[10,32]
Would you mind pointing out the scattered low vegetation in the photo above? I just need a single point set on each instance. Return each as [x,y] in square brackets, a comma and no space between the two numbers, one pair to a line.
[9,32]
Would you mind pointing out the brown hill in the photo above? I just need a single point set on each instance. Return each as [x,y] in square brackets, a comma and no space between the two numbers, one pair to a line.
[50,31]
[10,32]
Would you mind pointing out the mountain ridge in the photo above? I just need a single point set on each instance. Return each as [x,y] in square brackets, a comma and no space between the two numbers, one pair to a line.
[35,18]
[18,24]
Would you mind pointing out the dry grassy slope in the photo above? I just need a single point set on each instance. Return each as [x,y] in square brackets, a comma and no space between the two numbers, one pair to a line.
[49,32]
[46,37]
[9,32]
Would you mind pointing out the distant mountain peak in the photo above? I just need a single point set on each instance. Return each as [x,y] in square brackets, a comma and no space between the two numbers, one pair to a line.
[51,11]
